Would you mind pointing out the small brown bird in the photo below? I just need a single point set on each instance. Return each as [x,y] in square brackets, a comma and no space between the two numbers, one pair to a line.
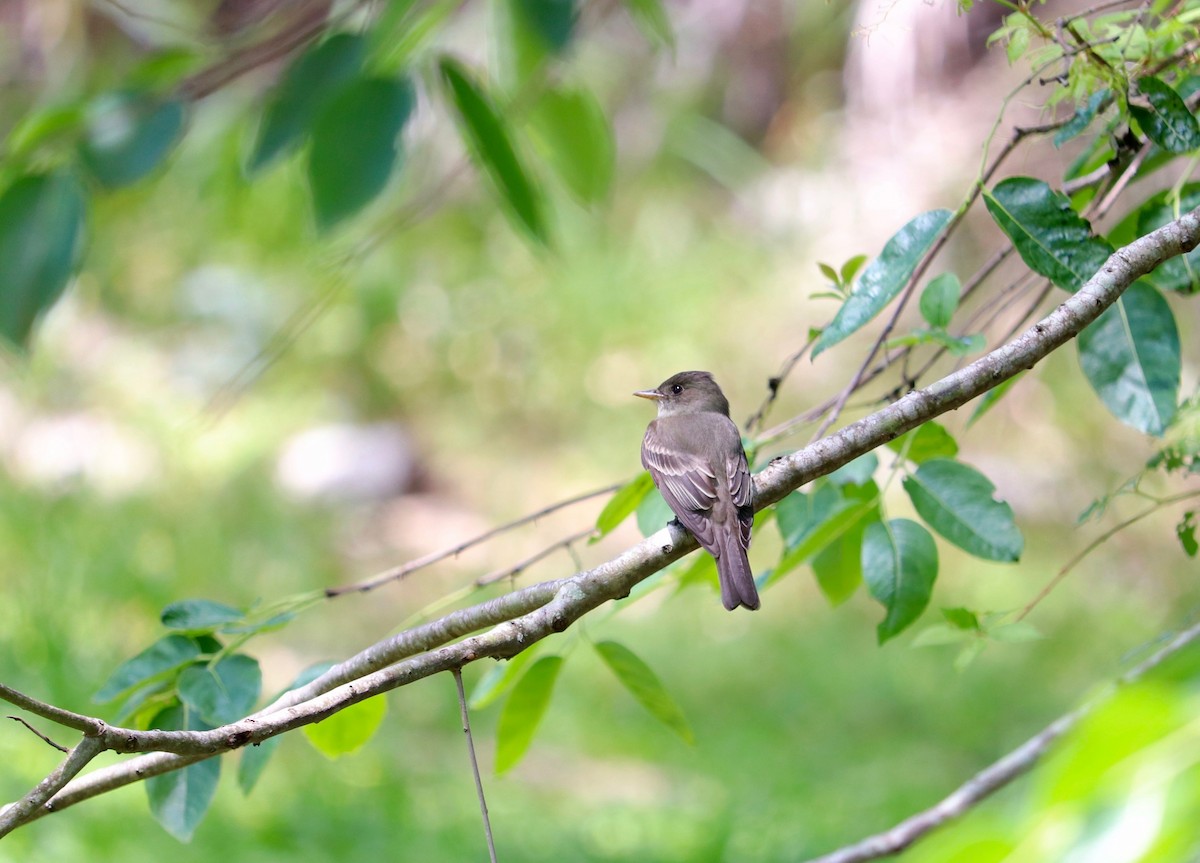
[694,454]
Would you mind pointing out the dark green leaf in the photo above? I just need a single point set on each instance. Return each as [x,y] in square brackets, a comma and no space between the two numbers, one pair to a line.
[498,679]
[1167,121]
[1051,238]
[491,145]
[253,761]
[1131,357]
[180,799]
[523,711]
[651,18]
[1178,273]
[956,501]
[653,514]
[927,441]
[552,20]
[884,278]
[570,129]
[1186,531]
[41,236]
[224,692]
[813,522]
[939,300]
[349,729]
[644,685]
[163,657]
[900,563]
[623,502]
[1082,118]
[355,144]
[838,566]
[306,87]
[198,615]
[128,135]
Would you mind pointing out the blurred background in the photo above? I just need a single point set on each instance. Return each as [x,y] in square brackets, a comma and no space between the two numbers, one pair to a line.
[230,404]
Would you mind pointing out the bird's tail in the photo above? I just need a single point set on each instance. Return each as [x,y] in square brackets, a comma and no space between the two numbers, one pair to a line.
[735,575]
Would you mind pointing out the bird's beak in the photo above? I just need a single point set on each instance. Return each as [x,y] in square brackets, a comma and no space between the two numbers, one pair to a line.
[653,395]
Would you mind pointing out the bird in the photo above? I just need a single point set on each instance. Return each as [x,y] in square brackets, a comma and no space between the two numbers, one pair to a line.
[694,454]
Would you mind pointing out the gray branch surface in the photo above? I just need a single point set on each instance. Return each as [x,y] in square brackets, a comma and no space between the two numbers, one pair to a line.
[526,616]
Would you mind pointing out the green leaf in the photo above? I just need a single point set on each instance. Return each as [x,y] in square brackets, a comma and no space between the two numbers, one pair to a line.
[253,761]
[812,523]
[1167,122]
[355,145]
[856,472]
[884,277]
[492,147]
[128,135]
[1186,532]
[43,126]
[552,20]
[622,503]
[1131,357]
[990,398]
[900,563]
[651,18]
[644,685]
[962,618]
[349,729]
[1082,118]
[1051,238]
[165,656]
[940,299]
[926,442]
[41,238]
[199,615]
[523,711]
[222,692]
[942,634]
[1179,273]
[653,514]
[498,679]
[569,128]
[956,501]
[1017,632]
[838,566]
[180,799]
[307,86]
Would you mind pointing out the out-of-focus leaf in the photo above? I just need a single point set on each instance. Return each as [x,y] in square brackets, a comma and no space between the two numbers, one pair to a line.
[1181,273]
[928,441]
[163,657]
[347,730]
[128,135]
[1131,357]
[402,30]
[43,125]
[644,685]
[198,615]
[962,618]
[990,398]
[570,129]
[180,799]
[306,87]
[856,472]
[253,761]
[355,145]
[900,563]
[956,501]
[222,692]
[653,514]
[1082,118]
[623,502]
[491,145]
[552,20]
[498,679]
[884,277]
[523,711]
[41,235]
[651,18]
[1186,532]
[1051,238]
[838,566]
[1167,121]
[939,300]
[164,68]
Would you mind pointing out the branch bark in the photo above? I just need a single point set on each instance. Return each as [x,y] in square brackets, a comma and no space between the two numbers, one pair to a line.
[521,618]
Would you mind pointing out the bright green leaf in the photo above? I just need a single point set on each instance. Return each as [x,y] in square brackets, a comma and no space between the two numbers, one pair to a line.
[180,799]
[355,145]
[962,618]
[1131,357]
[349,729]
[626,499]
[199,615]
[492,147]
[42,126]
[942,634]
[1017,632]
[900,563]
[651,18]
[928,441]
[884,278]
[498,679]
[939,300]
[41,237]
[165,656]
[223,692]
[397,36]
[306,88]
[569,128]
[523,711]
[644,685]
[1051,238]
[956,501]
[128,135]
[653,514]
[838,566]
[1167,121]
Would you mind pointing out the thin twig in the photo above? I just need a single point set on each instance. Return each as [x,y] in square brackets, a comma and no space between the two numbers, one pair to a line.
[37,733]
[466,726]
[521,565]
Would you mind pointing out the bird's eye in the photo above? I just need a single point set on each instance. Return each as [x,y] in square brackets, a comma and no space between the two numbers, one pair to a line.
[677,389]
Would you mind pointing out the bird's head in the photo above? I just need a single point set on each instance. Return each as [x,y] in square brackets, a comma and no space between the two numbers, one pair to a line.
[687,393]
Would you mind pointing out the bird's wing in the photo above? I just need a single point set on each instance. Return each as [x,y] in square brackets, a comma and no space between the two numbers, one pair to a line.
[741,492]
[686,482]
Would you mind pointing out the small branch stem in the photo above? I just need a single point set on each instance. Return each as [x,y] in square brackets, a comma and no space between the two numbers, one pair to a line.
[466,726]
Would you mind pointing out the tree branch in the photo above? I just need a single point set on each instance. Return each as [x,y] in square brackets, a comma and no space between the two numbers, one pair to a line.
[522,618]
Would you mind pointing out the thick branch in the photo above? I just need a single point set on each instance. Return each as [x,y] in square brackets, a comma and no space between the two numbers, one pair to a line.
[521,618]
